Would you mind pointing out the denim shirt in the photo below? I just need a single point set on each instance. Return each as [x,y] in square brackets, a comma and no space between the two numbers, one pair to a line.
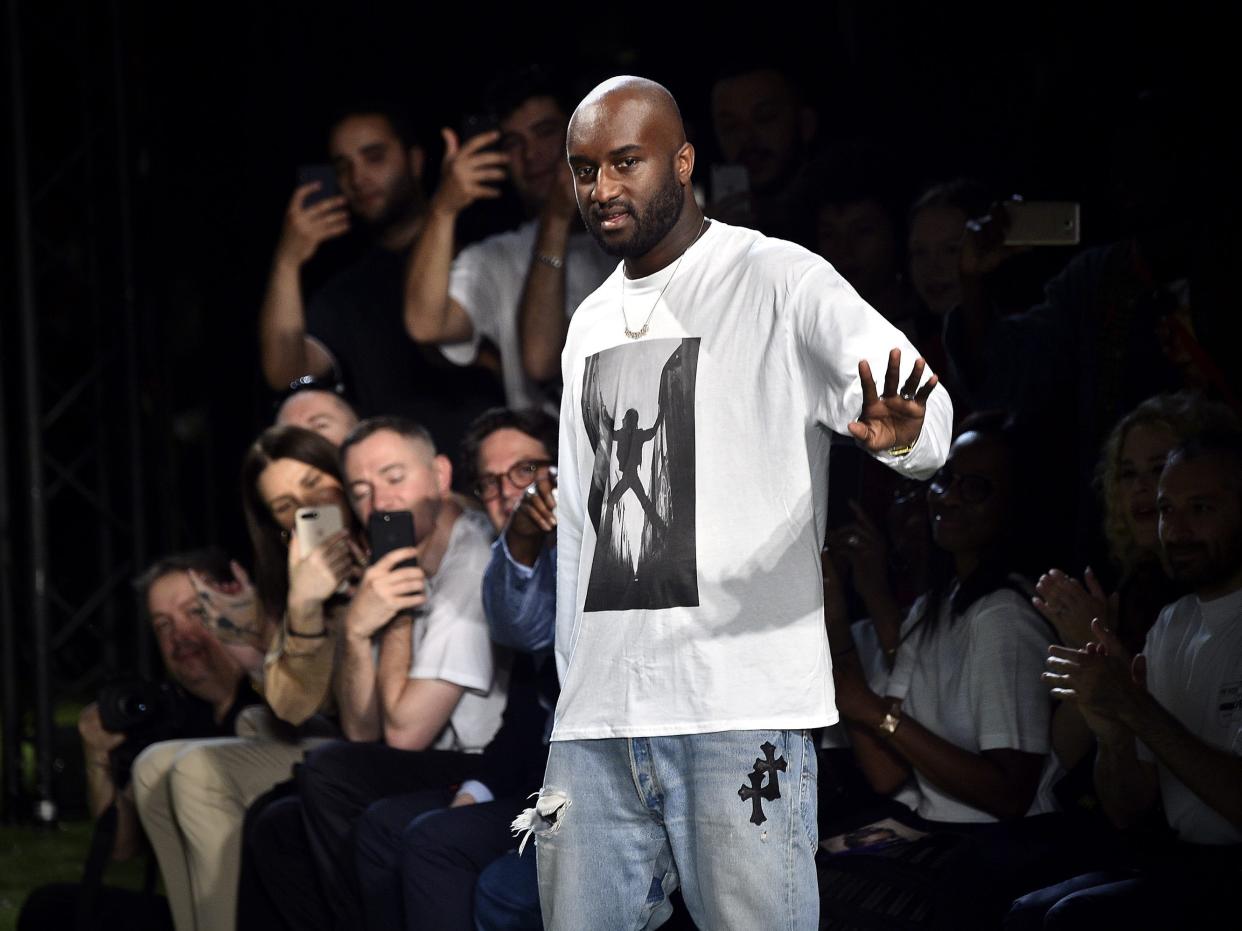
[520,601]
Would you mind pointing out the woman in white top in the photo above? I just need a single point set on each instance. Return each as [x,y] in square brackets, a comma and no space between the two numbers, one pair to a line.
[963,715]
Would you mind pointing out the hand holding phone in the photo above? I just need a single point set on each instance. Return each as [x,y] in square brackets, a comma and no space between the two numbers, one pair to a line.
[316,213]
[472,168]
[393,584]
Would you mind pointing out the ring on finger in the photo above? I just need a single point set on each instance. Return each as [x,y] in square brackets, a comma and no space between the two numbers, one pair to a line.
[531,491]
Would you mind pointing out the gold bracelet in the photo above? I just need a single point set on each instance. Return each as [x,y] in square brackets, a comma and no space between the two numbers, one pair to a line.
[899,451]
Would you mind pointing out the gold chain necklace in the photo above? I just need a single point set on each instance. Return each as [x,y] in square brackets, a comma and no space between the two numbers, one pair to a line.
[642,331]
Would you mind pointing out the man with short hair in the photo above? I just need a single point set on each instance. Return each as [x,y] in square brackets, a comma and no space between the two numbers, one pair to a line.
[432,683]
[319,410]
[516,288]
[352,325]
[1168,722]
[763,124]
[211,689]
[701,382]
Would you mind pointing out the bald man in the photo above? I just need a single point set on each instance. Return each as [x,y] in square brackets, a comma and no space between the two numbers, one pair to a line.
[324,412]
[690,631]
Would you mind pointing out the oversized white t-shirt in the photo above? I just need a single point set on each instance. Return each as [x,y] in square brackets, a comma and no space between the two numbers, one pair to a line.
[693,489]
[451,639]
[1194,669]
[975,681]
[487,279]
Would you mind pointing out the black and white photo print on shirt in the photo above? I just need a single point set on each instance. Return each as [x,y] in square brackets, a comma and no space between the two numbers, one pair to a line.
[638,411]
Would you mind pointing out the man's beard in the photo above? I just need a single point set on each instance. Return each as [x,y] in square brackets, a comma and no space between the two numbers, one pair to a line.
[650,227]
[399,204]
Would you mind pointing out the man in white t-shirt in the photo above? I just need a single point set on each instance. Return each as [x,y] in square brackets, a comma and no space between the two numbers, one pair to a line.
[415,670]
[701,382]
[1168,722]
[517,288]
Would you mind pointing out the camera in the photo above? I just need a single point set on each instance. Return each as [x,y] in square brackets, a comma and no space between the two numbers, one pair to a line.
[145,712]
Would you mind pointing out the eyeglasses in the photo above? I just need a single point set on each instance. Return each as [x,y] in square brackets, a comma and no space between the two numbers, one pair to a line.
[973,488]
[487,487]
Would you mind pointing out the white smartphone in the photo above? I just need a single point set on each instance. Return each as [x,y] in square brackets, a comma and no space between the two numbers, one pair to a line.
[1042,223]
[316,524]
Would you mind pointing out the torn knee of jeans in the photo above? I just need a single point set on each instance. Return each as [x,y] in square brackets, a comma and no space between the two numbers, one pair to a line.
[543,818]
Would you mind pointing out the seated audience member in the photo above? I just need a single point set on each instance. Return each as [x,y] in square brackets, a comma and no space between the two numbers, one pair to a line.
[415,672]
[1168,720]
[519,288]
[351,327]
[764,125]
[422,872]
[207,691]
[192,795]
[320,409]
[1133,457]
[960,726]
[859,232]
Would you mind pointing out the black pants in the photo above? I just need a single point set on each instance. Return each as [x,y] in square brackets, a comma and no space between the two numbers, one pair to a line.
[302,847]
[418,861]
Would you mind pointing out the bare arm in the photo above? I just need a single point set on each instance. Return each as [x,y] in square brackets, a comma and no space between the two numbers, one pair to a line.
[431,316]
[414,711]
[298,671]
[542,320]
[1001,782]
[285,351]
[97,745]
[1212,774]
[385,592]
[356,694]
[1126,786]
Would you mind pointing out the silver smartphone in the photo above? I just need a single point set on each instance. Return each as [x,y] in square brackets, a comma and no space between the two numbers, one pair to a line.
[1042,223]
[316,524]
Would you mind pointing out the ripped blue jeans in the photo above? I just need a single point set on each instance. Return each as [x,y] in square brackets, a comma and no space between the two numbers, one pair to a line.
[729,817]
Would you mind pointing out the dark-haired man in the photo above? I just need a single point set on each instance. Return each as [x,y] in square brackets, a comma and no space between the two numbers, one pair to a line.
[516,288]
[1168,722]
[691,649]
[352,325]
[213,690]
[763,124]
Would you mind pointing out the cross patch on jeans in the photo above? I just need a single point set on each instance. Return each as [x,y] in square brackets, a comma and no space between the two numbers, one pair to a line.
[757,791]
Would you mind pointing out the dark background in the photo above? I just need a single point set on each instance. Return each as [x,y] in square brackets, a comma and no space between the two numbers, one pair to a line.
[161,142]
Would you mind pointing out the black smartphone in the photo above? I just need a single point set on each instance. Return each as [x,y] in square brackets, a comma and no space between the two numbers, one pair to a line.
[388,531]
[474,124]
[325,175]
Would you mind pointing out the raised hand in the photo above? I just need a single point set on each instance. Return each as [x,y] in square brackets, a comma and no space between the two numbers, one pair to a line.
[306,228]
[313,578]
[469,172]
[864,548]
[1070,607]
[1102,679]
[384,592]
[230,607]
[894,419]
